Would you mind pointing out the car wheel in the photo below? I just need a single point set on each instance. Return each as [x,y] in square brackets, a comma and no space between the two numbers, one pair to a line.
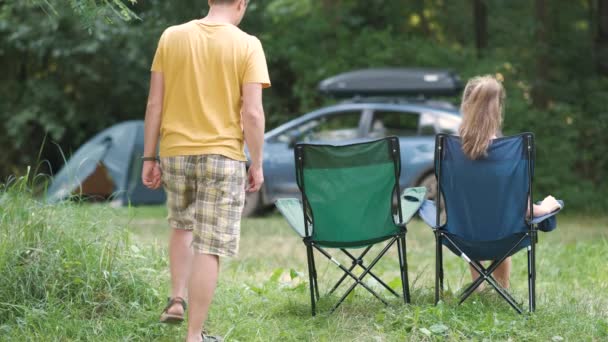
[253,204]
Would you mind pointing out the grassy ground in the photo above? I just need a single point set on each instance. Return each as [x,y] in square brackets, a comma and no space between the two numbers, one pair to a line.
[263,293]
[107,284]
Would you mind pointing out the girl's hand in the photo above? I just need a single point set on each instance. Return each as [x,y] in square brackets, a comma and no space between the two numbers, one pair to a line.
[549,205]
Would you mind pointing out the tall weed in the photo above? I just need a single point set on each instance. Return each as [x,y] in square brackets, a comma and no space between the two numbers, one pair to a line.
[70,260]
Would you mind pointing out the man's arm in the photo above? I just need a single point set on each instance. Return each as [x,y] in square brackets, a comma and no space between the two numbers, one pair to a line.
[154,110]
[253,125]
[151,172]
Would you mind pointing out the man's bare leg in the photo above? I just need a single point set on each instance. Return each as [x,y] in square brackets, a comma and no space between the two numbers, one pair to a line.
[203,280]
[180,261]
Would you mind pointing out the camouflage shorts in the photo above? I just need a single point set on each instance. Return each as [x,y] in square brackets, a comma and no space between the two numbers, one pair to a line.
[206,194]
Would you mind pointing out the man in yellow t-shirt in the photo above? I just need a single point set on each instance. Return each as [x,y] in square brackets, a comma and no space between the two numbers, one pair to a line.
[205,102]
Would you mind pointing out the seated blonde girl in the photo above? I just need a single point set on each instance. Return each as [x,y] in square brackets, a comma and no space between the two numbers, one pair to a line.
[482,115]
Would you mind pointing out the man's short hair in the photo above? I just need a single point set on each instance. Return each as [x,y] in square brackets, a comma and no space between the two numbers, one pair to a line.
[223,2]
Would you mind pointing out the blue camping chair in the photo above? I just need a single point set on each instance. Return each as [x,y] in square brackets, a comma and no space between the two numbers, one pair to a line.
[485,204]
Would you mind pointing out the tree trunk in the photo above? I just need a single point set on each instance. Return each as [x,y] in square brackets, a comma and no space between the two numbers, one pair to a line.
[539,91]
[601,39]
[332,10]
[424,22]
[480,16]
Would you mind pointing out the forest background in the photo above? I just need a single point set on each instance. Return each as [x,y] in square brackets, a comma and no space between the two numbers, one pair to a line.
[70,68]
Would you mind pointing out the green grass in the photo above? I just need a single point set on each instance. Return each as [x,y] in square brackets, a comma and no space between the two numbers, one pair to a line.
[89,272]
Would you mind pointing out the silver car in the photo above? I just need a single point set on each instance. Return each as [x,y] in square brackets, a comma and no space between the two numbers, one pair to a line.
[414,122]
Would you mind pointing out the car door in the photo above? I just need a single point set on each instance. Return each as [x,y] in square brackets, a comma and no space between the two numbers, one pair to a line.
[416,133]
[334,126]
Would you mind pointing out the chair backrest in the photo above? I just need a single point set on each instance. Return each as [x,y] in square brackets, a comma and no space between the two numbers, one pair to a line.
[485,199]
[349,191]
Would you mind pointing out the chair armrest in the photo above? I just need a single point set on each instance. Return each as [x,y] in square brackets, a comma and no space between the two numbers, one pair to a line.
[539,219]
[291,209]
[410,200]
[548,222]
[428,213]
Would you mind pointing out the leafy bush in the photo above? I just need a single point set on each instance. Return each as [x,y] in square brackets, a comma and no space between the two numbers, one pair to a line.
[67,83]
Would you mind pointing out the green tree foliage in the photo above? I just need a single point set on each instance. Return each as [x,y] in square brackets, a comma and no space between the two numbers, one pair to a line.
[90,10]
[62,81]
[68,82]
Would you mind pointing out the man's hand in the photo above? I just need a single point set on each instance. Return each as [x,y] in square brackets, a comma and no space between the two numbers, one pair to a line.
[255,179]
[150,175]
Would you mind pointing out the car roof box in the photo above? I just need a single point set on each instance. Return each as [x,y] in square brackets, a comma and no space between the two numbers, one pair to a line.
[393,82]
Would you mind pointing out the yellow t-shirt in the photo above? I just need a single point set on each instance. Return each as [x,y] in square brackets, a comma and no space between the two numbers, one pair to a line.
[204,67]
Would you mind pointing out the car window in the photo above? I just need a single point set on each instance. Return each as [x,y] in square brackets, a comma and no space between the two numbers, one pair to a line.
[427,124]
[295,133]
[331,127]
[448,124]
[401,124]
[335,127]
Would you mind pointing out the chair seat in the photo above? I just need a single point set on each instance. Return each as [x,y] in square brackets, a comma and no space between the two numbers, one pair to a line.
[487,250]
[483,250]
[291,208]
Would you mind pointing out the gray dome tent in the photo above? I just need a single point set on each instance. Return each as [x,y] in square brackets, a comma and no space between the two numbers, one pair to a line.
[108,167]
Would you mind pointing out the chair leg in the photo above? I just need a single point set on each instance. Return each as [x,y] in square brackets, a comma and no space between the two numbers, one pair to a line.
[400,251]
[314,273]
[530,278]
[311,277]
[440,250]
[403,265]
[469,290]
[366,271]
[359,261]
[486,274]
[358,280]
[504,294]
[533,271]
[438,263]
[504,290]
[350,269]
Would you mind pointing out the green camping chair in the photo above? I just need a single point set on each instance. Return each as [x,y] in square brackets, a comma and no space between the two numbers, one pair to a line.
[349,200]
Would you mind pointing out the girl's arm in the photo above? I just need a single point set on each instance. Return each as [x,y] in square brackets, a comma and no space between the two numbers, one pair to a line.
[548,205]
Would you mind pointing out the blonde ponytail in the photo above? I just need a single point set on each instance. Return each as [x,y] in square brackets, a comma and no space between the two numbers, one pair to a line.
[482,112]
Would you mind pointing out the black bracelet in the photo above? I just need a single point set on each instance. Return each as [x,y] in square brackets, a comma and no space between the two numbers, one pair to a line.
[149,158]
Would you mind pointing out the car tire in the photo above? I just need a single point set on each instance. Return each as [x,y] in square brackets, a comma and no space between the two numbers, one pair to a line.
[253,204]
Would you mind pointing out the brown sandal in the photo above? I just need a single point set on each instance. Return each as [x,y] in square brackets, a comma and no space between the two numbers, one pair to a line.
[166,317]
